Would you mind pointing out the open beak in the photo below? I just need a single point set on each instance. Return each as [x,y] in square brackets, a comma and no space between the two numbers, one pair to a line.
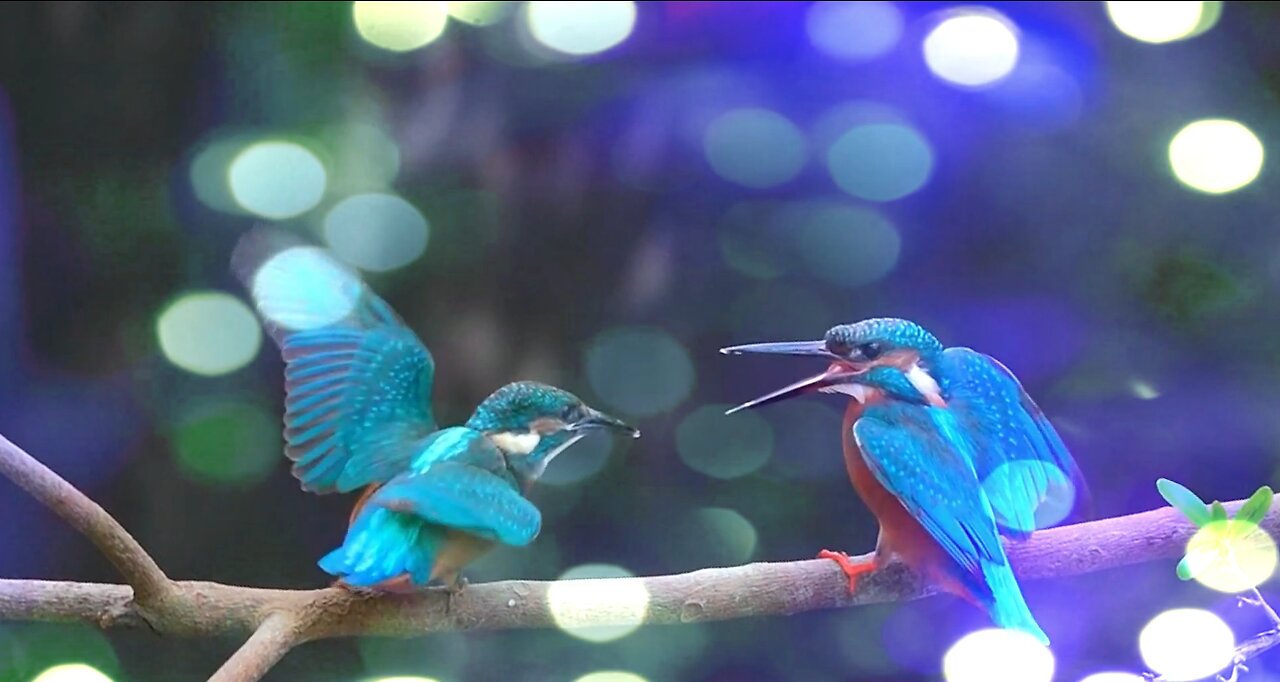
[600,420]
[837,373]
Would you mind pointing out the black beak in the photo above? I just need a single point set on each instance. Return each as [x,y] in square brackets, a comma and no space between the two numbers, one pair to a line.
[835,374]
[838,372]
[600,420]
[818,348]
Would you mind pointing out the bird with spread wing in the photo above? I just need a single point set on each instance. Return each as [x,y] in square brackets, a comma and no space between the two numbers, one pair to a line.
[358,416]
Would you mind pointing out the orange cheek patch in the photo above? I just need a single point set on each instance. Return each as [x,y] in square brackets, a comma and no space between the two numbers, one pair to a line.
[901,359]
[547,425]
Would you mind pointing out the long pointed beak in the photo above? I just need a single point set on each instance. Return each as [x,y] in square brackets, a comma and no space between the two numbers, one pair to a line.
[834,374]
[600,420]
[818,348]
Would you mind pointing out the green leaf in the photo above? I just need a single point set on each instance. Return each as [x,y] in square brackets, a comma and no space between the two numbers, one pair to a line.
[1184,569]
[1256,508]
[1218,512]
[1184,501]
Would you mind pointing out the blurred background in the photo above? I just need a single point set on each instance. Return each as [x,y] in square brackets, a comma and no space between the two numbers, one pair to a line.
[600,195]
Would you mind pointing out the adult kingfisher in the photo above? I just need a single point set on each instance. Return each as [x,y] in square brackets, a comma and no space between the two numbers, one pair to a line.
[358,415]
[946,449]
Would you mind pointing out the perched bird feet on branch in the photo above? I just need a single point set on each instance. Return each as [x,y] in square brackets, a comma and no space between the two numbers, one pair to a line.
[852,569]
[451,588]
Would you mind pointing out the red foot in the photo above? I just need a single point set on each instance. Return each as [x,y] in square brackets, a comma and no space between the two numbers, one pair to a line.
[851,569]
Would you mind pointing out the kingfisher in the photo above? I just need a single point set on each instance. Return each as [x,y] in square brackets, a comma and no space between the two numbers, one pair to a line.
[948,452]
[358,416]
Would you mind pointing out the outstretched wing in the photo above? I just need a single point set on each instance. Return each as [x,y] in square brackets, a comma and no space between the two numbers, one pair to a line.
[1025,468]
[466,498]
[358,381]
[918,454]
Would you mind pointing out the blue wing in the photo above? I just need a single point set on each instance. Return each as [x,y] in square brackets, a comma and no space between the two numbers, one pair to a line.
[917,454]
[464,498]
[1026,469]
[358,381]
[924,458]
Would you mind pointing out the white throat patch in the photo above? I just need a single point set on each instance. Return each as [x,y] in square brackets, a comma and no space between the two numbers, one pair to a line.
[856,391]
[515,443]
[923,382]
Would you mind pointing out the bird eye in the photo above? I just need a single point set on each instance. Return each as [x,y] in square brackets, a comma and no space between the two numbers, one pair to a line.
[871,350]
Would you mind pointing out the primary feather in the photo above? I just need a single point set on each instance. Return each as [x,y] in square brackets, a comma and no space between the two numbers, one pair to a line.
[1023,463]
[357,380]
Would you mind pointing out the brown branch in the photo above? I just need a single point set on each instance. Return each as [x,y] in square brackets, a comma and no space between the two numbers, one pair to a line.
[136,566]
[275,620]
[273,639]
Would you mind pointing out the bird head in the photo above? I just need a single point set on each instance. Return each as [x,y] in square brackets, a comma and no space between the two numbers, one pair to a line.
[882,356]
[532,423]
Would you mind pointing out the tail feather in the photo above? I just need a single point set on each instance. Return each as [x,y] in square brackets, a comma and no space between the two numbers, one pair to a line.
[382,546]
[1008,609]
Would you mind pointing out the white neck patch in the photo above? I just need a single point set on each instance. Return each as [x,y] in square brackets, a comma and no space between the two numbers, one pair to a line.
[923,381]
[856,391]
[516,443]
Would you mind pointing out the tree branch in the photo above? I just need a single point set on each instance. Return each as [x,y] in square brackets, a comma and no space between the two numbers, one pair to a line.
[275,620]
[269,643]
[136,566]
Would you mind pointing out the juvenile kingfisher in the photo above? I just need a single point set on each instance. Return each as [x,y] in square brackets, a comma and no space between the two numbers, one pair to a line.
[945,448]
[358,415]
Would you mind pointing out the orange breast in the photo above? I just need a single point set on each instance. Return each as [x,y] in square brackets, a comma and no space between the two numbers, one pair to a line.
[901,536]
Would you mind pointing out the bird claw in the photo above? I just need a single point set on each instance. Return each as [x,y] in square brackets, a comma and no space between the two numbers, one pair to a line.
[852,569]
[452,590]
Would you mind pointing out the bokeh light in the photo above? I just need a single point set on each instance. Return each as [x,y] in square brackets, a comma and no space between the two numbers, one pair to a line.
[972,47]
[303,288]
[1215,155]
[377,232]
[1060,493]
[1231,556]
[480,12]
[854,31]
[72,672]
[276,179]
[438,656]
[208,171]
[611,676]
[844,244]
[581,28]
[754,147]
[594,593]
[880,161]
[1144,390]
[712,536]
[366,158]
[227,443]
[1186,644]
[1163,22]
[208,333]
[721,446]
[1113,677]
[998,655]
[639,371]
[400,26]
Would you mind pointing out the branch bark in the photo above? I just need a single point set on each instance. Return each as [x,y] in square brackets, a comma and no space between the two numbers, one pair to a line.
[276,620]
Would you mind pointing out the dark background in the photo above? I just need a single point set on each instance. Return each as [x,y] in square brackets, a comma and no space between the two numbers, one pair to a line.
[574,215]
